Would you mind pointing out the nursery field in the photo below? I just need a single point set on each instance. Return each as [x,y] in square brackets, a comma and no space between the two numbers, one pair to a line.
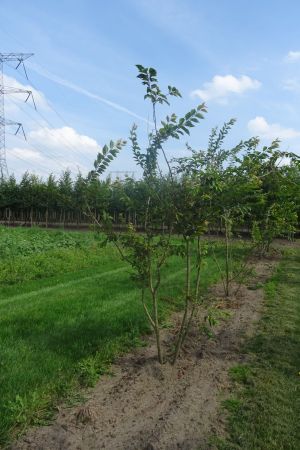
[67,307]
[153,304]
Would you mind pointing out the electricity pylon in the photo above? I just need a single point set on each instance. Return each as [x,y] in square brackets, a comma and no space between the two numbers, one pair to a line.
[18,59]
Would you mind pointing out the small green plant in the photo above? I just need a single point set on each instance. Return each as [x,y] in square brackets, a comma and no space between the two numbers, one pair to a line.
[212,319]
[88,372]
[29,409]
[240,373]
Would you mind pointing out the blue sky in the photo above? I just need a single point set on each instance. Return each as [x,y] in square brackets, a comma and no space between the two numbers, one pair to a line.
[241,57]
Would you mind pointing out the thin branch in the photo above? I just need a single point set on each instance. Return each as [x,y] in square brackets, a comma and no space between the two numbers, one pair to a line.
[146,309]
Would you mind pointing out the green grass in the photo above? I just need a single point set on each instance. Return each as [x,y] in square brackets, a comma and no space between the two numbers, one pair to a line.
[64,315]
[264,410]
[29,254]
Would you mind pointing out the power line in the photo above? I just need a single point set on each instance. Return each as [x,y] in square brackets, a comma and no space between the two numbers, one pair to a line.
[24,160]
[41,167]
[38,151]
[51,130]
[44,72]
[43,127]
[67,142]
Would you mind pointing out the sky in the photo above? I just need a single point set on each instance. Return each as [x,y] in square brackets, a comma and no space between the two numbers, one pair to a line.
[241,58]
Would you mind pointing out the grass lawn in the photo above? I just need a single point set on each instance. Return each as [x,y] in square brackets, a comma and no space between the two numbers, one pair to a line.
[67,308]
[264,410]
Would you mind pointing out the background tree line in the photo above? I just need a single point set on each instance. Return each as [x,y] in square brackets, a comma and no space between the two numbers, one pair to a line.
[63,200]
[256,182]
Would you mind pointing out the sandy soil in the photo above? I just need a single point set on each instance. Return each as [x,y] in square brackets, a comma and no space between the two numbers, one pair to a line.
[145,406]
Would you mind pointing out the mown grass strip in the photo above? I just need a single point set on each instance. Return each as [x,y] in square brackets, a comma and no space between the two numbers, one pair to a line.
[59,286]
[264,409]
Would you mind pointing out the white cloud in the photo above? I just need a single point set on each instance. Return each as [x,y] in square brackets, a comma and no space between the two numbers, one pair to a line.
[260,127]
[292,84]
[220,87]
[22,159]
[65,138]
[39,98]
[25,153]
[292,56]
[51,151]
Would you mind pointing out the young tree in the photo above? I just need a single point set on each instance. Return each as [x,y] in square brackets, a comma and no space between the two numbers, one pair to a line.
[272,205]
[147,252]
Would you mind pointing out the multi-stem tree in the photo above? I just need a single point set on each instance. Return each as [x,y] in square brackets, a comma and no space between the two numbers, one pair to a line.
[148,252]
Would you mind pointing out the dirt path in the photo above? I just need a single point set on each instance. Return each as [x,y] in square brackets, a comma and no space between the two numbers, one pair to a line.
[148,407]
